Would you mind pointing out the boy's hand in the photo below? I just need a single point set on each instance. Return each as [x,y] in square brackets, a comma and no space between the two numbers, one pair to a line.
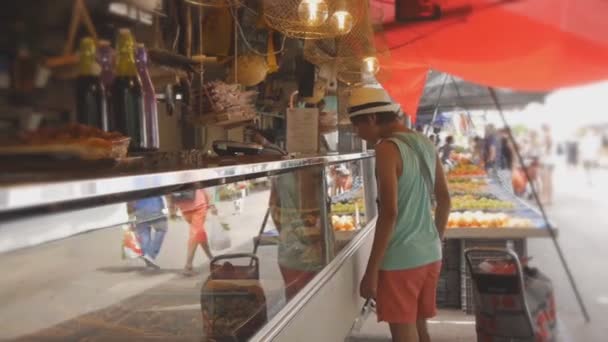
[369,285]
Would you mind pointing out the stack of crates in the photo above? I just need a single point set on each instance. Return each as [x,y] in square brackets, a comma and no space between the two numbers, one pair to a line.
[467,300]
[448,287]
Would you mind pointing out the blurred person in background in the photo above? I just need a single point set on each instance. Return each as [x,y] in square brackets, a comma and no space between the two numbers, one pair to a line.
[572,153]
[344,180]
[547,159]
[477,150]
[533,151]
[151,226]
[194,205]
[591,146]
[505,159]
[446,150]
[490,148]
[507,150]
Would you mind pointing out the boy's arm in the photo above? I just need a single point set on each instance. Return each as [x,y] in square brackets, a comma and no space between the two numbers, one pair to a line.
[387,161]
[442,196]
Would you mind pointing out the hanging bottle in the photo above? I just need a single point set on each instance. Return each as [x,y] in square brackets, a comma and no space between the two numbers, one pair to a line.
[105,58]
[127,94]
[150,106]
[91,105]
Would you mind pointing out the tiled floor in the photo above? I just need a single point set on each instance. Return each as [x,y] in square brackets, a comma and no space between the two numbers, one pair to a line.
[448,326]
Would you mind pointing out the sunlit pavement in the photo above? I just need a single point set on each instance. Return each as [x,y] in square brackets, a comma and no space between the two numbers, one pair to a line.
[79,288]
[580,212]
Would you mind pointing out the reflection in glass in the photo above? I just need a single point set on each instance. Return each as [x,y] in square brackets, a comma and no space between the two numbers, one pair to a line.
[296,202]
[347,213]
[269,236]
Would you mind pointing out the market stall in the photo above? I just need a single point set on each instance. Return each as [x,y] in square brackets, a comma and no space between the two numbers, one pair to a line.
[484,214]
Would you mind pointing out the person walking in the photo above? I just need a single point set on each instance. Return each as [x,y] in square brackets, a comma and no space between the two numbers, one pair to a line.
[151,226]
[446,150]
[547,165]
[591,146]
[194,205]
[405,260]
[490,148]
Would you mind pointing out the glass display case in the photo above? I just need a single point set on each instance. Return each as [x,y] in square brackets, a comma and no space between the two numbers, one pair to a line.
[217,254]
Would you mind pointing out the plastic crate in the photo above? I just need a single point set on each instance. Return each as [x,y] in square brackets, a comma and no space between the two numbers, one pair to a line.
[467,301]
[448,287]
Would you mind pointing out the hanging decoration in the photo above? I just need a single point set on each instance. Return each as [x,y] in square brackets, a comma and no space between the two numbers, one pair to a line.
[313,19]
[251,70]
[356,56]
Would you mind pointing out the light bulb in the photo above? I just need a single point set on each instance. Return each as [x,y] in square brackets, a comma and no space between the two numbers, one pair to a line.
[371,65]
[341,21]
[313,12]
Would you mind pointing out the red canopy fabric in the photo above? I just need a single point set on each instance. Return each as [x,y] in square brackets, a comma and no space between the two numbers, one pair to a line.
[528,45]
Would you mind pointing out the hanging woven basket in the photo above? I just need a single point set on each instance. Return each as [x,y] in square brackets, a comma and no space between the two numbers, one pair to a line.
[358,55]
[313,19]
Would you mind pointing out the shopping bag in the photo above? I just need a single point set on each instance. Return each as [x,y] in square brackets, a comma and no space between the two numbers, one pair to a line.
[368,308]
[218,234]
[131,248]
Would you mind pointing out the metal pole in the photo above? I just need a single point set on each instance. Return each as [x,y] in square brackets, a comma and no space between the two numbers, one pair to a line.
[326,226]
[256,243]
[543,212]
[445,79]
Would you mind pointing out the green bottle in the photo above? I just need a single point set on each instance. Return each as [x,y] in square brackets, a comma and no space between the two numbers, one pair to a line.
[128,115]
[91,106]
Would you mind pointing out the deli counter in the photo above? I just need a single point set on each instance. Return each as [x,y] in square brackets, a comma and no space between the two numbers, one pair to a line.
[124,257]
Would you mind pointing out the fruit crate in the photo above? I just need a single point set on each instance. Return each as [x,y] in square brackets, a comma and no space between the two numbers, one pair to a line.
[467,299]
[448,287]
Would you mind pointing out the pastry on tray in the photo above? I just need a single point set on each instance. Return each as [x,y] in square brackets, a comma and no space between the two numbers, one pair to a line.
[73,140]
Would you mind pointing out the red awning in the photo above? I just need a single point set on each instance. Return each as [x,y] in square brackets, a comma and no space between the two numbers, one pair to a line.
[529,45]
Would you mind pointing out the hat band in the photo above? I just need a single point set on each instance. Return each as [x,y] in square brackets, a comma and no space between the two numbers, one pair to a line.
[367,105]
[373,107]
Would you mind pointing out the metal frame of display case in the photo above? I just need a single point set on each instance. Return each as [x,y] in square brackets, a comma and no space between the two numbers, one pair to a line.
[19,200]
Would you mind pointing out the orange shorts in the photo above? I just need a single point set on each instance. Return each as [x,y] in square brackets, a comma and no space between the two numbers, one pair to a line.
[405,296]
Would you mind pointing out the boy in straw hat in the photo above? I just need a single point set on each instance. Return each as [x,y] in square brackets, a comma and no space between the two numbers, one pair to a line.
[405,260]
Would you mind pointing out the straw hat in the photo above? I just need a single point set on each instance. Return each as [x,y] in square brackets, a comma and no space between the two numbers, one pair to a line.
[370,100]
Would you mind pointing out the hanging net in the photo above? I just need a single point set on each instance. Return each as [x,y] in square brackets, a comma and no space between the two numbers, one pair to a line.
[357,55]
[313,19]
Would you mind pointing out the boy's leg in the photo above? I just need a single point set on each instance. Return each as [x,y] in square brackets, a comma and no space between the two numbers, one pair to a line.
[423,331]
[427,300]
[404,332]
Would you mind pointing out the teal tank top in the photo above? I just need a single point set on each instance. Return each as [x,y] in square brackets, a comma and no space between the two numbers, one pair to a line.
[415,240]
